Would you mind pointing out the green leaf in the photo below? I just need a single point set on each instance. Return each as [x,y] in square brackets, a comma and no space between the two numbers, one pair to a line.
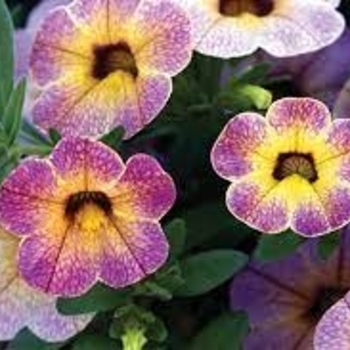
[199,223]
[205,271]
[26,340]
[95,342]
[227,332]
[271,247]
[7,55]
[99,298]
[176,234]
[12,117]
[327,244]
[55,136]
[114,138]
[29,134]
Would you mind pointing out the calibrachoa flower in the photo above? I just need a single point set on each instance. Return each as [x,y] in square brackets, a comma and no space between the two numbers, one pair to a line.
[22,306]
[105,63]
[285,299]
[231,28]
[84,216]
[290,169]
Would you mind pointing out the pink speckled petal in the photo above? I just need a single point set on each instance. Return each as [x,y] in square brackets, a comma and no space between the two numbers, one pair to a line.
[299,27]
[89,165]
[144,190]
[136,249]
[22,306]
[231,154]
[23,46]
[96,108]
[299,113]
[60,51]
[40,11]
[27,196]
[168,46]
[333,330]
[61,261]
[261,205]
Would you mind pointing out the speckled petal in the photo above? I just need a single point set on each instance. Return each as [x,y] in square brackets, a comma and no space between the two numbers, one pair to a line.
[27,196]
[60,51]
[261,203]
[295,114]
[22,306]
[144,190]
[40,11]
[233,153]
[134,250]
[299,27]
[62,260]
[86,164]
[166,44]
[333,330]
[93,109]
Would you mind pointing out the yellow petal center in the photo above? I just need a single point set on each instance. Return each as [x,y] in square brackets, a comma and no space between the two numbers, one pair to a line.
[301,164]
[111,58]
[88,209]
[235,8]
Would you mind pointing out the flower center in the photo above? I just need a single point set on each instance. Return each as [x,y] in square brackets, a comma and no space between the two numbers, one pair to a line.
[113,57]
[86,201]
[235,8]
[291,163]
[325,298]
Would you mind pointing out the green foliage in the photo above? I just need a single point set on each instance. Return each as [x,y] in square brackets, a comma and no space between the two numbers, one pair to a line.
[99,298]
[7,56]
[176,235]
[273,247]
[201,228]
[12,117]
[205,271]
[114,138]
[95,342]
[226,332]
[328,244]
[26,340]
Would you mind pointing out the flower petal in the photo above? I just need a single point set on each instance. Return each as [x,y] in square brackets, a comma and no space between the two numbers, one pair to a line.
[261,203]
[235,151]
[27,196]
[22,306]
[63,50]
[165,37]
[62,260]
[134,250]
[87,165]
[333,330]
[299,27]
[93,109]
[295,114]
[144,190]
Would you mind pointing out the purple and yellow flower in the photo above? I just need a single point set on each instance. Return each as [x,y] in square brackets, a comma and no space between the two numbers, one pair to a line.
[103,63]
[233,28]
[83,216]
[285,299]
[22,306]
[290,169]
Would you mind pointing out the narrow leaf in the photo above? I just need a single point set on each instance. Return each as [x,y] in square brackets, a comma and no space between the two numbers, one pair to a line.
[13,112]
[7,55]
